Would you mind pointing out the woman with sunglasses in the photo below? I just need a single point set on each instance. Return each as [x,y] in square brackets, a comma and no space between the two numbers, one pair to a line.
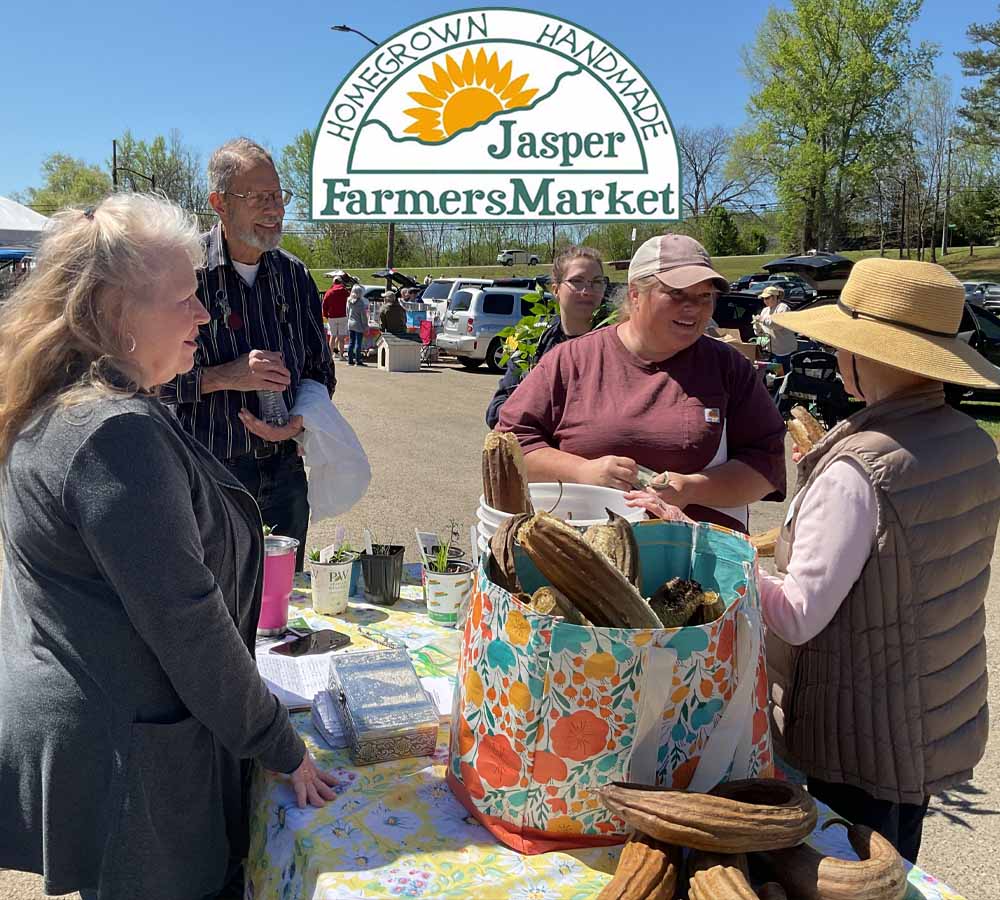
[578,282]
[655,392]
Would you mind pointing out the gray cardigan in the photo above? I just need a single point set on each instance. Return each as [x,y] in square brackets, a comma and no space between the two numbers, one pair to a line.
[128,690]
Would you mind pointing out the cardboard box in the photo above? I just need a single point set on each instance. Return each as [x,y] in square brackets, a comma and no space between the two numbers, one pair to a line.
[732,337]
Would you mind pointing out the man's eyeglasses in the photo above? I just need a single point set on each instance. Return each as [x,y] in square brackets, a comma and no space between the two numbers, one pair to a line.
[580,285]
[264,198]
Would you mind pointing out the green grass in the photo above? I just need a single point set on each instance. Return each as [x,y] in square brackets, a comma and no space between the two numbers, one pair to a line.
[983,265]
[987,415]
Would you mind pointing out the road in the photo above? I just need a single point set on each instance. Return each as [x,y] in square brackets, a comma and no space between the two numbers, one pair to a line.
[423,433]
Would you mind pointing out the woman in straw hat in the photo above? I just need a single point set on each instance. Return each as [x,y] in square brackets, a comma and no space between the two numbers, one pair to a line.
[876,617]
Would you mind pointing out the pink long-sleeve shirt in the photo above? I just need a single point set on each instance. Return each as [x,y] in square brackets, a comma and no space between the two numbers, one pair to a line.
[834,535]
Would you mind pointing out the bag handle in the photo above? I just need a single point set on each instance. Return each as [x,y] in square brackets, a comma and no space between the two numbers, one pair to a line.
[734,730]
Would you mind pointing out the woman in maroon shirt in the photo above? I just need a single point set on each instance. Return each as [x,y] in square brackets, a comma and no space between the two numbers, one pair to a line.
[654,391]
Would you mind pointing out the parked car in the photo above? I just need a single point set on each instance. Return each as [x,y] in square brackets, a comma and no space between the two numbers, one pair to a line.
[980,329]
[744,281]
[826,272]
[517,257]
[397,279]
[736,310]
[440,291]
[475,317]
[983,293]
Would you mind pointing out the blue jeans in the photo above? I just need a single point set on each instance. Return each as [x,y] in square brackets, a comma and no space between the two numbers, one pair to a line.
[278,484]
[354,347]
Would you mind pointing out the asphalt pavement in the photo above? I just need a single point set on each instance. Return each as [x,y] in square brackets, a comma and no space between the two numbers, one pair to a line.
[423,433]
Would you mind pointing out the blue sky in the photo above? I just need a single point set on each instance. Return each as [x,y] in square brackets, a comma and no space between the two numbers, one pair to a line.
[81,73]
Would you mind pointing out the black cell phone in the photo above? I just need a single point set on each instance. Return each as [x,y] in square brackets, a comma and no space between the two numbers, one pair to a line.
[316,642]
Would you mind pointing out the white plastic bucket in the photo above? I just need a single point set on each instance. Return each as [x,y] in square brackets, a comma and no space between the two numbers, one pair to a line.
[581,505]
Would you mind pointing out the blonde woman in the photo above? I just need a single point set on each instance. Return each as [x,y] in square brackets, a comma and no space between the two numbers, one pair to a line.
[130,705]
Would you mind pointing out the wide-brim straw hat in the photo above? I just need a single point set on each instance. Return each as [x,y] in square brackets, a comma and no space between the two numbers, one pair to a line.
[901,313]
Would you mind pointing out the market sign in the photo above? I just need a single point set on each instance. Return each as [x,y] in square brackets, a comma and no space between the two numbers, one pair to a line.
[492,114]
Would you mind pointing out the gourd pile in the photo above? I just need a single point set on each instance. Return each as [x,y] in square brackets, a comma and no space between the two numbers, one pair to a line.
[594,577]
[738,831]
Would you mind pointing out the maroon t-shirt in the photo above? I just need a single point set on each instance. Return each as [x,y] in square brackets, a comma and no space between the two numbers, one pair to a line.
[593,397]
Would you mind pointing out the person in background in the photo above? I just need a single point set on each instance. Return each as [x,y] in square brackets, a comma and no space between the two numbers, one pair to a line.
[392,316]
[782,342]
[357,324]
[876,617]
[335,313]
[427,279]
[578,283]
[131,710]
[265,335]
[654,391]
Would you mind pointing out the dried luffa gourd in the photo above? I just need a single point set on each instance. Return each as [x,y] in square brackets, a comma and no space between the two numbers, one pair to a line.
[592,584]
[647,870]
[806,874]
[681,602]
[503,571]
[735,817]
[616,541]
[505,484]
[716,876]
[766,542]
[809,422]
[550,602]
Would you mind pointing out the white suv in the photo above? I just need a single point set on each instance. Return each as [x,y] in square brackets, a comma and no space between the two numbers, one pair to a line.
[475,317]
[517,257]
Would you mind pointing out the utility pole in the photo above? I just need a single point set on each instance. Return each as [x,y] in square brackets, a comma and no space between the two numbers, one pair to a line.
[114,164]
[947,192]
[902,222]
[391,245]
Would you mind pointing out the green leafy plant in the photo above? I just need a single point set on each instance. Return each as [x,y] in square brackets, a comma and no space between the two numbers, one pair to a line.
[521,340]
[441,560]
[344,552]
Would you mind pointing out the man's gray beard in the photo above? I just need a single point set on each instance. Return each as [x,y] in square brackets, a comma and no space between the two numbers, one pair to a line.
[251,238]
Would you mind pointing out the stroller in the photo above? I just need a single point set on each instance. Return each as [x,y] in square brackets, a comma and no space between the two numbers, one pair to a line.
[428,348]
[812,381]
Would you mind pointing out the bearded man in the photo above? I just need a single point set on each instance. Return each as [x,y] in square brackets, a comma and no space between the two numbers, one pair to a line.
[265,335]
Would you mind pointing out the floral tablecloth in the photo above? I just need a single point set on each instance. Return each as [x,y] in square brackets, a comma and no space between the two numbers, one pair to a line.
[395,830]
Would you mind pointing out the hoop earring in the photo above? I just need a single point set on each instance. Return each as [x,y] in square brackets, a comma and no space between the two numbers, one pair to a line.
[131,338]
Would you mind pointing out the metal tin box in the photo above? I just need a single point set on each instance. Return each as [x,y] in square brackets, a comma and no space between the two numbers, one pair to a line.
[385,710]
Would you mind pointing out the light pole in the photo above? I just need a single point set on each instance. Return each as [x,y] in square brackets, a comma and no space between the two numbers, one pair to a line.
[391,237]
[374,43]
[947,191]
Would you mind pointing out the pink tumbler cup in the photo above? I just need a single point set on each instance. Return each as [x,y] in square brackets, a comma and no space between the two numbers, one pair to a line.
[279,578]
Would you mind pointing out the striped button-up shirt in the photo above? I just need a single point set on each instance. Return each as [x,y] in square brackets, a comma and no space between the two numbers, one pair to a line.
[281,313]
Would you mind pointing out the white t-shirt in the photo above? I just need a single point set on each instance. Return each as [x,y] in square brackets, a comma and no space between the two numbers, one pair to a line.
[247,272]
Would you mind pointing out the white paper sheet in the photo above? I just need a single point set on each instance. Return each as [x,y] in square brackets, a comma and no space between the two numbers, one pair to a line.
[441,690]
[293,680]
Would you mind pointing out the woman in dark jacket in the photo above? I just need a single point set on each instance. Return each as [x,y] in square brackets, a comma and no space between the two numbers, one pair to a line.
[130,704]
[578,282]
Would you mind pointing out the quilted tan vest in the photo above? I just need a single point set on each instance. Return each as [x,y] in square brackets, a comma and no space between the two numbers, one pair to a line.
[891,696]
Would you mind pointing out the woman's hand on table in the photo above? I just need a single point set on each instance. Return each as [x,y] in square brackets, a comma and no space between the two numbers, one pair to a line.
[311,784]
[617,472]
[656,506]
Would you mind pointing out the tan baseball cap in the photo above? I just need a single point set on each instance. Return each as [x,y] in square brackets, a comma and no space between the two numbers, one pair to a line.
[677,260]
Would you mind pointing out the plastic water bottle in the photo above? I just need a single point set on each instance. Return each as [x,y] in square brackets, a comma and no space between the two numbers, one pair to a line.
[272,408]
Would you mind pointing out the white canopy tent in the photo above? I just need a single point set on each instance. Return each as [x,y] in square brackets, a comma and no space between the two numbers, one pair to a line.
[20,226]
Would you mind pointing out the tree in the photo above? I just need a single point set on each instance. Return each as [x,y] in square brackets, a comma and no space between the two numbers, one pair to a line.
[295,168]
[982,103]
[713,173]
[68,182]
[175,168]
[828,75]
[721,237]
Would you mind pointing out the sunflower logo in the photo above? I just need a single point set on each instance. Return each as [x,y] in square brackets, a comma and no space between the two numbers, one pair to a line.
[463,95]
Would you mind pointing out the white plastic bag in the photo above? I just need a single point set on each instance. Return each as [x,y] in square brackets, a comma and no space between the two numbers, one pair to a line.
[339,473]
